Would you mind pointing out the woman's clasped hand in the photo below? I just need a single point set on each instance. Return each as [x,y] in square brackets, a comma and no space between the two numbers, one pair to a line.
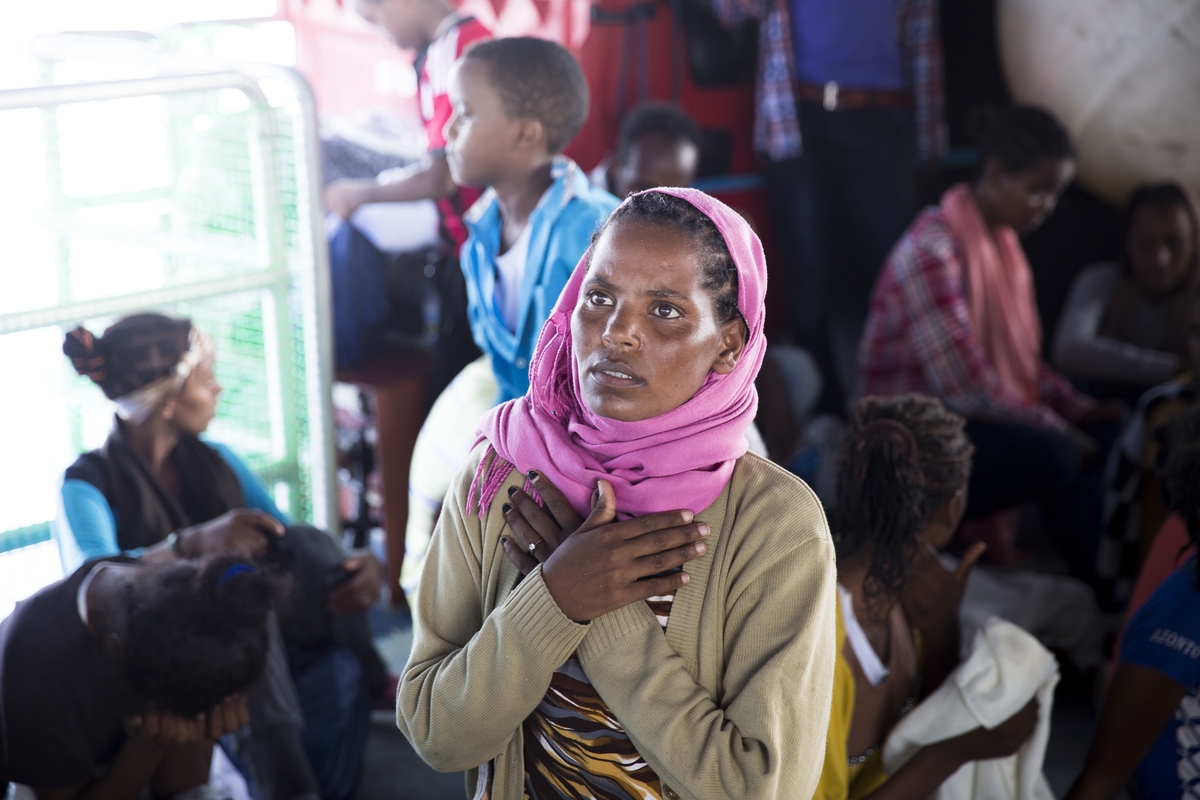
[164,729]
[596,565]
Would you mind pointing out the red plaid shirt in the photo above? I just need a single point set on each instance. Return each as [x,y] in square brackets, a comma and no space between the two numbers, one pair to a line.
[919,338]
[776,131]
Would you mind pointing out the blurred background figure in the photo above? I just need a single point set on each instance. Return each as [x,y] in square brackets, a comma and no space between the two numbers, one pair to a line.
[210,204]
[659,145]
[954,316]
[406,209]
[158,491]
[1125,325]
[146,670]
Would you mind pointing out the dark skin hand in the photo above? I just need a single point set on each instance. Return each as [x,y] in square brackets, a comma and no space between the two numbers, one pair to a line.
[930,767]
[343,197]
[242,531]
[931,599]
[1139,705]
[245,532]
[597,565]
[921,776]
[362,590]
[165,751]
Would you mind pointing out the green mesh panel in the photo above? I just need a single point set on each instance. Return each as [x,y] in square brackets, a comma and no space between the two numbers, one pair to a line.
[180,203]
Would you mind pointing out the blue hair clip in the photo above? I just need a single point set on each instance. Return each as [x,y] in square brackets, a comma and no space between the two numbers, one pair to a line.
[235,570]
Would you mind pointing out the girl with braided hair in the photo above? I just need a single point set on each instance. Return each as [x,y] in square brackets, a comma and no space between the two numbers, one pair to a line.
[901,487]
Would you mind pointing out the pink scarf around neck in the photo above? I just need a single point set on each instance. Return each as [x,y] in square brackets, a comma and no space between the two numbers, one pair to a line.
[999,288]
[681,459]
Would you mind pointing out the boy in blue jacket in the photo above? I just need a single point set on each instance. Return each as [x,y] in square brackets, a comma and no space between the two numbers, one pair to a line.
[516,103]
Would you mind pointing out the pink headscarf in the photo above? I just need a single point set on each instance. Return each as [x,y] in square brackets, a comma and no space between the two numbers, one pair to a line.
[681,459]
[999,293]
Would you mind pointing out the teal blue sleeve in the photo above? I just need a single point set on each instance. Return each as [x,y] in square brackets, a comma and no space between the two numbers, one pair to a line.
[255,491]
[85,527]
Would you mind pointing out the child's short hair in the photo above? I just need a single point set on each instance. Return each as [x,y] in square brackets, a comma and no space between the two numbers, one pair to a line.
[195,632]
[666,119]
[537,79]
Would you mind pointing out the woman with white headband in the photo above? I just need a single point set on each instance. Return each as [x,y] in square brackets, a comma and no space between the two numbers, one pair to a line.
[155,490]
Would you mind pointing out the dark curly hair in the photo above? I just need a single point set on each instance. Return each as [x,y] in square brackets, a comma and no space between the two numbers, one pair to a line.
[134,351]
[195,632]
[890,481]
[1178,470]
[669,211]
[537,79]
[1019,137]
[666,119]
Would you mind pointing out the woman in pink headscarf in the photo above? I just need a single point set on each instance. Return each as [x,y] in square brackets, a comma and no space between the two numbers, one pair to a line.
[662,625]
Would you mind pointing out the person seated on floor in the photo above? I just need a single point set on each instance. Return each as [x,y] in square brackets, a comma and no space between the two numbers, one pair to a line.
[642,390]
[396,211]
[953,316]
[116,681]
[1171,546]
[1147,735]
[902,482]
[517,103]
[1133,505]
[659,145]
[1125,324]
[159,491]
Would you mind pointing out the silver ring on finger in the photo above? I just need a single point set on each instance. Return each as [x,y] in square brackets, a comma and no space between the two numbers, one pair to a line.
[533,546]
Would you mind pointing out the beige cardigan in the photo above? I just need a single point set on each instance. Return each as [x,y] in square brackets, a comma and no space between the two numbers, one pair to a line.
[732,702]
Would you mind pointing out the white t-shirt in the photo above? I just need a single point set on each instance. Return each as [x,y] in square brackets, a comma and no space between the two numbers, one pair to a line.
[510,271]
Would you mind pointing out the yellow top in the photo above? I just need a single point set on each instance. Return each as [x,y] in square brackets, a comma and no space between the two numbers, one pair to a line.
[839,780]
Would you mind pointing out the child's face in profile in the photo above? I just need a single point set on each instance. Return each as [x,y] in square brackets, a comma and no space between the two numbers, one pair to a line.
[656,160]
[645,329]
[480,137]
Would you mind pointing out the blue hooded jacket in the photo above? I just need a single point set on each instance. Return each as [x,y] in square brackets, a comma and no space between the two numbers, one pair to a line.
[561,228]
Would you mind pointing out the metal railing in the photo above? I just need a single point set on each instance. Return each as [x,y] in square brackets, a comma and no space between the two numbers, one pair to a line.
[280,271]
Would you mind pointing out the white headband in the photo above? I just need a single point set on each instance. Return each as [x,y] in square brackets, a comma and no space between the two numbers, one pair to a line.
[137,406]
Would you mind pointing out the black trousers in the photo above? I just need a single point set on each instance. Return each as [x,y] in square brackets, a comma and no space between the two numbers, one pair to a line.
[838,209]
[273,746]
[1017,464]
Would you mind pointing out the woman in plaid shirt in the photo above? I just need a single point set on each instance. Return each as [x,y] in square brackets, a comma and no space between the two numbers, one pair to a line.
[931,331]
